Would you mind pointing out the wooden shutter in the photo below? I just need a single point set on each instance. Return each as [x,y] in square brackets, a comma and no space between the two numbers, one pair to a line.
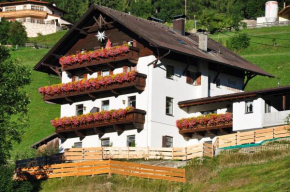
[99,73]
[85,76]
[198,78]
[125,69]
[73,79]
[111,72]
[163,141]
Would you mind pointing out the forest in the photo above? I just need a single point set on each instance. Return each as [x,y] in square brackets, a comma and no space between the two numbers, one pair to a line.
[211,15]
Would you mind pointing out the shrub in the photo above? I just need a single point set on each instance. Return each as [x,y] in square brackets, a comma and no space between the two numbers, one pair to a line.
[238,42]
[7,184]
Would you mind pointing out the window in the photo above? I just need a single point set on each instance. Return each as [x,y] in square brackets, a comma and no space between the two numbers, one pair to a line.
[169,71]
[167,141]
[193,78]
[132,101]
[105,142]
[249,106]
[95,109]
[105,105]
[105,72]
[169,106]
[80,109]
[131,141]
[218,83]
[268,105]
[209,112]
[78,145]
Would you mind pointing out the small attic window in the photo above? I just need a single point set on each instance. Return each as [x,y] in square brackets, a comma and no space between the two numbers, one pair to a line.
[182,42]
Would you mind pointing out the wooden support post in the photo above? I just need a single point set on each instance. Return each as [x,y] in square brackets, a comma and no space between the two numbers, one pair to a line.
[284,101]
[83,153]
[236,138]
[254,136]
[102,153]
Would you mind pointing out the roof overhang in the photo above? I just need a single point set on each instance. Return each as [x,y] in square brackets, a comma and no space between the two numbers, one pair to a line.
[234,96]
[44,141]
[284,11]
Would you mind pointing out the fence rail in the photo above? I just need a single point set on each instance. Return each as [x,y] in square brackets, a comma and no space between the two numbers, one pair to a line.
[251,136]
[102,153]
[91,168]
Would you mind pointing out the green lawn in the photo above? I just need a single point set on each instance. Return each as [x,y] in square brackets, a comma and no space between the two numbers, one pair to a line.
[268,171]
[49,40]
[275,60]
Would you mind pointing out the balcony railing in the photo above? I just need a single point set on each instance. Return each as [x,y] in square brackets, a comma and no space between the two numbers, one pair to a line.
[101,122]
[100,59]
[211,123]
[23,13]
[91,90]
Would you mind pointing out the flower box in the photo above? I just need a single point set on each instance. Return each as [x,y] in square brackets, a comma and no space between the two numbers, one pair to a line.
[90,89]
[101,119]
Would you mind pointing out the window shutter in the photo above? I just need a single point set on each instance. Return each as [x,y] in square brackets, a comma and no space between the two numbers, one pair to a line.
[111,72]
[198,78]
[125,69]
[163,141]
[73,79]
[99,73]
[85,76]
[188,79]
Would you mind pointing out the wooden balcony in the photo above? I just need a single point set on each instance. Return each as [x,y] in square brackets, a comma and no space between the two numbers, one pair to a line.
[137,85]
[23,13]
[202,130]
[105,63]
[133,120]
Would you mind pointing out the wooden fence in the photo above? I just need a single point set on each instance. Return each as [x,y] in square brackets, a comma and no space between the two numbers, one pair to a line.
[91,168]
[251,136]
[102,153]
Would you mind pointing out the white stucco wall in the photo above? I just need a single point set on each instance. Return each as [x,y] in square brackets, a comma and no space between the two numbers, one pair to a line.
[33,29]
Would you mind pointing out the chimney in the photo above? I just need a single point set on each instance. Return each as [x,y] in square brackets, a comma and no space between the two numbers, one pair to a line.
[202,42]
[179,24]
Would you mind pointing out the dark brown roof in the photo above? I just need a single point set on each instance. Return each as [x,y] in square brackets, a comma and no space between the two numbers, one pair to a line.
[233,96]
[161,36]
[31,2]
[284,11]
[44,141]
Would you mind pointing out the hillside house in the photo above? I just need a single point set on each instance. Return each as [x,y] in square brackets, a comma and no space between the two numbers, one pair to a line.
[38,17]
[97,62]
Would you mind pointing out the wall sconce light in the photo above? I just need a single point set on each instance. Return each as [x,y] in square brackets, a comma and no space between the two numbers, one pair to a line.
[124,102]
[85,108]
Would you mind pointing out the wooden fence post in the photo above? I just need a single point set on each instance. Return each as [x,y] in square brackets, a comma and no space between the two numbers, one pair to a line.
[102,153]
[128,153]
[185,149]
[83,153]
[254,136]
[148,153]
[236,138]
[274,136]
[109,172]
[172,153]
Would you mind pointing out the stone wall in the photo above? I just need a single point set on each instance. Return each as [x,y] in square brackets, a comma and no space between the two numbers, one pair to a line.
[32,29]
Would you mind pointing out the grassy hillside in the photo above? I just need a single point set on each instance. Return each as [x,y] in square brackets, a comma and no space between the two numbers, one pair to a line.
[275,60]
[266,171]
[39,112]
[49,40]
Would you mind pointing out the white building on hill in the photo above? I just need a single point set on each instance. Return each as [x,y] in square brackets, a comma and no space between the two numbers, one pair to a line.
[38,17]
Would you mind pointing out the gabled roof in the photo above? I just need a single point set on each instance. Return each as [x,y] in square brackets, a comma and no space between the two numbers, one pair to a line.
[284,11]
[234,96]
[161,36]
[31,2]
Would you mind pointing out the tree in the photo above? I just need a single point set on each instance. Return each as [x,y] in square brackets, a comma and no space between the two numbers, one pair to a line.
[4,29]
[17,34]
[13,103]
[238,42]
[142,8]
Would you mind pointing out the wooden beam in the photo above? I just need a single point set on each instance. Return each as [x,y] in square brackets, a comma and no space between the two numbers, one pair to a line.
[138,126]
[111,66]
[92,96]
[116,93]
[284,101]
[56,56]
[70,101]
[249,77]
[80,133]
[222,130]
[90,70]
[119,128]
[81,31]
[61,135]
[57,71]
[98,131]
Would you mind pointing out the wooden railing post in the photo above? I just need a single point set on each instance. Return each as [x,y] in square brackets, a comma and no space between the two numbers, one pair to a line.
[236,138]
[274,136]
[185,149]
[128,153]
[148,153]
[172,153]
[102,153]
[83,153]
[110,171]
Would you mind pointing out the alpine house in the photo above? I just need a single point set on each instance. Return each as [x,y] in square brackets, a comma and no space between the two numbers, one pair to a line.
[128,81]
